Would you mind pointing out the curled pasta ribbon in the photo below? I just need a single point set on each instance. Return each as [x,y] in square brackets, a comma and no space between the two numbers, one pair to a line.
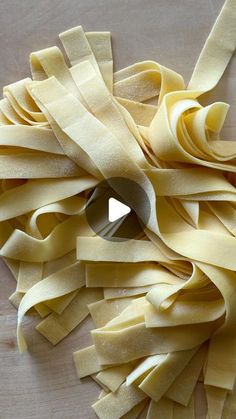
[162,303]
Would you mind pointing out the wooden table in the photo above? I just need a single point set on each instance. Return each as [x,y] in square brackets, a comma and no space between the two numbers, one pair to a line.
[42,384]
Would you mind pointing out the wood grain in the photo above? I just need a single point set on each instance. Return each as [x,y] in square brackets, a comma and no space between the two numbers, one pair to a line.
[43,383]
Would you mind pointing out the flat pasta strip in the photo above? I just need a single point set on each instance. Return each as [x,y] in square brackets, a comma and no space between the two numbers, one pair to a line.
[56,327]
[113,377]
[125,293]
[35,194]
[28,166]
[135,411]
[103,311]
[27,137]
[216,398]
[127,274]
[53,286]
[158,380]
[162,409]
[119,403]
[152,341]
[184,412]
[29,274]
[77,47]
[86,361]
[181,390]
[100,43]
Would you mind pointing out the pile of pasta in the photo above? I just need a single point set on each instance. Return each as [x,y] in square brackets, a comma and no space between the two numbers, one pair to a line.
[163,304]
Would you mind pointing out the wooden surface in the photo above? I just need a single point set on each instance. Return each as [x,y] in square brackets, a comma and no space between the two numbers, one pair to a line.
[42,384]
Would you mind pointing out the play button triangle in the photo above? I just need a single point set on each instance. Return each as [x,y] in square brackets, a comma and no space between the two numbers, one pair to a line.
[116,210]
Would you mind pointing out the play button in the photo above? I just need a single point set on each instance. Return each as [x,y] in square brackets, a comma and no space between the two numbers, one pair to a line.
[118,209]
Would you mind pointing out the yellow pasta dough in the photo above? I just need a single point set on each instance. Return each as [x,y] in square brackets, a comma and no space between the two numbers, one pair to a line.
[162,302]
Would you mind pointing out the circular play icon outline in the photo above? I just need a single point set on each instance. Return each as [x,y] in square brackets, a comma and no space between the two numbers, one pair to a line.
[118,209]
